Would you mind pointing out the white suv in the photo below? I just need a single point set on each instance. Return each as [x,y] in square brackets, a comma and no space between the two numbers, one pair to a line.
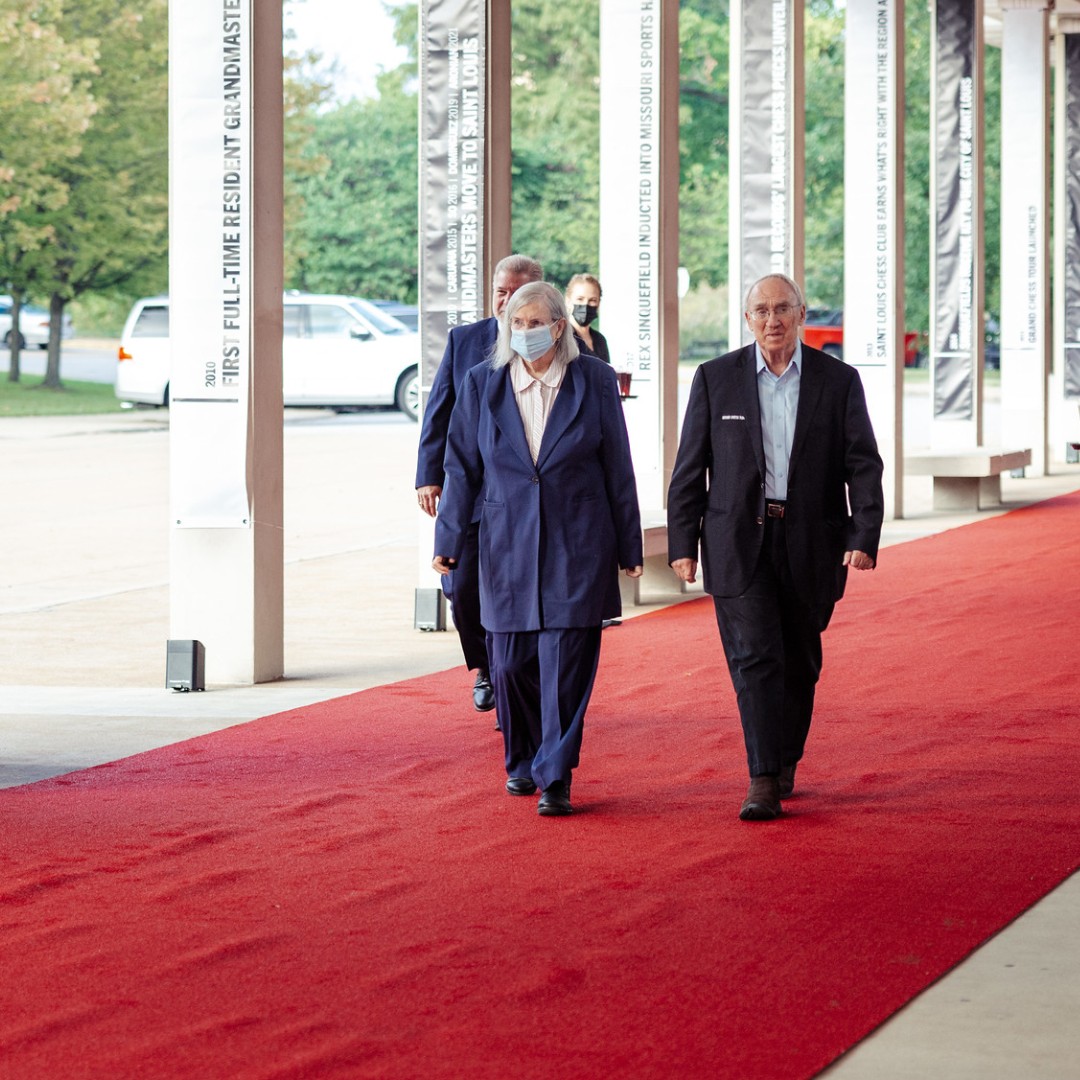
[338,352]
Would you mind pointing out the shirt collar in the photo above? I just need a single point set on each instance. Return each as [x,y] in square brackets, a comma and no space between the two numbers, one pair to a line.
[796,359]
[522,380]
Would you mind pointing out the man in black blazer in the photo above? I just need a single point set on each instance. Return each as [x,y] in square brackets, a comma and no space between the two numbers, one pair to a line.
[466,346]
[778,478]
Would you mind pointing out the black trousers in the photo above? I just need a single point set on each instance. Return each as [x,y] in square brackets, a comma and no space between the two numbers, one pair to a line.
[462,589]
[772,641]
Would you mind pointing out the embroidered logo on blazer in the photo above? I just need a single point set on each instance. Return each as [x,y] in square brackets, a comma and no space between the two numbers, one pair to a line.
[732,416]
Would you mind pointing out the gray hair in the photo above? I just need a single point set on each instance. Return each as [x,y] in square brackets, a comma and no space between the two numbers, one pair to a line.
[519,264]
[789,282]
[541,292]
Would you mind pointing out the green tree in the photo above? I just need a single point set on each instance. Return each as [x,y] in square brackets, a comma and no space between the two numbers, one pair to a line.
[916,167]
[113,228]
[824,189]
[357,232]
[704,102]
[47,108]
[306,91]
[555,135]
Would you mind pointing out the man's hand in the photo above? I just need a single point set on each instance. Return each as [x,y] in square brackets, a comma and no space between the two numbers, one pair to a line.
[428,498]
[858,560]
[633,571]
[442,564]
[685,570]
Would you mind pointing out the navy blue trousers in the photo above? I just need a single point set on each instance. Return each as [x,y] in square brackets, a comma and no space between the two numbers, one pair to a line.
[772,641]
[543,680]
[462,589]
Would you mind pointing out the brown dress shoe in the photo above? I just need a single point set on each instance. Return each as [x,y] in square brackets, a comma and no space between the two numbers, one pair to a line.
[762,802]
[786,780]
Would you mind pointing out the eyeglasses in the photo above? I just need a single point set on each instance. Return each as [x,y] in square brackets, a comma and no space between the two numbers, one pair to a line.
[529,324]
[782,311]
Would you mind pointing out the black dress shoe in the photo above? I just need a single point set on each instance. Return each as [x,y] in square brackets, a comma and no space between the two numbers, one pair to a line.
[520,785]
[555,801]
[483,696]
[786,781]
[762,802]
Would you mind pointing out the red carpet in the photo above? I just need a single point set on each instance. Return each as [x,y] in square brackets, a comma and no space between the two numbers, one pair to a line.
[345,890]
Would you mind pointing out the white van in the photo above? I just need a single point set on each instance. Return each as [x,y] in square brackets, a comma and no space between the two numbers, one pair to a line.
[338,352]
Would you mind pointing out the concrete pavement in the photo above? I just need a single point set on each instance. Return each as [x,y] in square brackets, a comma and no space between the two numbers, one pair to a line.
[84,621]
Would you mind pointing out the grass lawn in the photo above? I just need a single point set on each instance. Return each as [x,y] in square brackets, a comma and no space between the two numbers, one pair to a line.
[28,397]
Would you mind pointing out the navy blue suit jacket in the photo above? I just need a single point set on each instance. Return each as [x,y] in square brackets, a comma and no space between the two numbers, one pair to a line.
[466,346]
[552,534]
[717,491]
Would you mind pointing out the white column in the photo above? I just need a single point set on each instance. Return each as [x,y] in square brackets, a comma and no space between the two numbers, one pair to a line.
[1025,201]
[225,283]
[766,157]
[956,224]
[639,199]
[1065,376]
[874,223]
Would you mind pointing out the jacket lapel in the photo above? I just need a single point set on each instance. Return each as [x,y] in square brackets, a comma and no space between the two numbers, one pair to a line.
[810,385]
[504,409]
[752,405]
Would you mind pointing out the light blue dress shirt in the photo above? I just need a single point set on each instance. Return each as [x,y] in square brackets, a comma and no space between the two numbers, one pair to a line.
[778,397]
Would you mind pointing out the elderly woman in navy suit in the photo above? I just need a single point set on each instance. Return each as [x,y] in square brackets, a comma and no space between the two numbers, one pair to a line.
[540,431]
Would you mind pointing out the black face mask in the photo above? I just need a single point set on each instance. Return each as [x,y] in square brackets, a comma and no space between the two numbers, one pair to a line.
[585,313]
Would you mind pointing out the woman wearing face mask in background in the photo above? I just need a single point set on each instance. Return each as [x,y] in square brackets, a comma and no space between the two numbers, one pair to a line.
[539,430]
[583,304]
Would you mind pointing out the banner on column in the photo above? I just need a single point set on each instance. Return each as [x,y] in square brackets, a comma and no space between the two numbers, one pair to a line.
[452,140]
[1071,224]
[872,243]
[765,147]
[210,278]
[954,211]
[630,217]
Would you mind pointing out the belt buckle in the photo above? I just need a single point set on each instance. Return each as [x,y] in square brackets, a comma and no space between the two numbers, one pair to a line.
[774,510]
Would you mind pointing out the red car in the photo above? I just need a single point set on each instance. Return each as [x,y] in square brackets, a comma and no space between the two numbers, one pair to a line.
[824,330]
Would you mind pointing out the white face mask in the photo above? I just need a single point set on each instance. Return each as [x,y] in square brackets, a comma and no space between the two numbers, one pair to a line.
[532,343]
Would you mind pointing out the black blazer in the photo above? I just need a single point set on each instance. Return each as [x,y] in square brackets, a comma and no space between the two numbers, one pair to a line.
[466,346]
[717,492]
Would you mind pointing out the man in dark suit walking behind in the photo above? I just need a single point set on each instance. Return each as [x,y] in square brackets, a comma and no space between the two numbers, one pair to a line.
[466,346]
[778,478]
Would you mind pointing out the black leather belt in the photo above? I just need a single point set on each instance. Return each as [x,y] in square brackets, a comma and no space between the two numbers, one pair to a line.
[774,509]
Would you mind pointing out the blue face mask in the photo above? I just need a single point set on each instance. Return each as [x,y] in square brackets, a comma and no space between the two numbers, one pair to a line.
[532,343]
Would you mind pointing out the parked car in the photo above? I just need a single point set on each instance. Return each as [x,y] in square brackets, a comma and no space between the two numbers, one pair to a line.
[409,314]
[824,330]
[33,325]
[338,352]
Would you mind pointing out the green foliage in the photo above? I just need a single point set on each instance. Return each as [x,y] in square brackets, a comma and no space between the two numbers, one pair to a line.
[47,107]
[992,180]
[113,228]
[916,167]
[555,124]
[703,141]
[305,90]
[357,232]
[824,273]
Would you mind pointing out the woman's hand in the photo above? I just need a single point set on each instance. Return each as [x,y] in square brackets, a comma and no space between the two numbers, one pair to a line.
[443,564]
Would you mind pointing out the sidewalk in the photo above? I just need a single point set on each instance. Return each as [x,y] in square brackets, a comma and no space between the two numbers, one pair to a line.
[84,621]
